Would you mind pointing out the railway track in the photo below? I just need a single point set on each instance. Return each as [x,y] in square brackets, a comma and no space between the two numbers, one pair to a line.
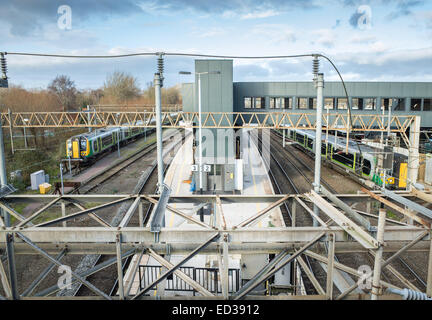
[101,177]
[407,271]
[147,182]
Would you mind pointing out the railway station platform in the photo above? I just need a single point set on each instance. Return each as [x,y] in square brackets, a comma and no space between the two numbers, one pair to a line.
[203,267]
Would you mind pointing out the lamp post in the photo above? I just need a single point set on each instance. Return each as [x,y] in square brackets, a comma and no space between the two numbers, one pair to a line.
[199,120]
[25,136]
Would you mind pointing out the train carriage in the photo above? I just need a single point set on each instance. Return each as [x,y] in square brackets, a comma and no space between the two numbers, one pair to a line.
[362,164]
[87,146]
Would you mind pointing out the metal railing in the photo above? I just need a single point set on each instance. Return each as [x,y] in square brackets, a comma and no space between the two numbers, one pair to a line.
[209,278]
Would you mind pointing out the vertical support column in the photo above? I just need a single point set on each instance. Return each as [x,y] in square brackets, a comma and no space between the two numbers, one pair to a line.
[141,214]
[376,288]
[330,266]
[157,83]
[119,267]
[63,210]
[319,83]
[88,118]
[9,236]
[61,178]
[225,263]
[293,212]
[3,176]
[11,132]
[413,156]
[429,274]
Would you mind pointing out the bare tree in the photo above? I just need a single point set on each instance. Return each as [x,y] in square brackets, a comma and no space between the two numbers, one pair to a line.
[64,88]
[120,87]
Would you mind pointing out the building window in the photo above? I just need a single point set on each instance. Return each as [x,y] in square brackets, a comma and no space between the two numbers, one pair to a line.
[386,103]
[302,103]
[247,102]
[329,103]
[357,103]
[427,104]
[312,103]
[370,104]
[259,102]
[399,104]
[342,103]
[415,104]
[254,102]
[288,103]
[277,103]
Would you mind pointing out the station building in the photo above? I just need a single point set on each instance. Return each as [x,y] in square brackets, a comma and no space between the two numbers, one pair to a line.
[220,94]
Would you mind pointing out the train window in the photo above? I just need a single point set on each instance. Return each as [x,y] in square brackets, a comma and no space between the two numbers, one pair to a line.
[342,103]
[83,144]
[370,104]
[300,138]
[107,141]
[288,103]
[329,103]
[366,169]
[415,104]
[302,103]
[95,146]
[399,104]
[323,149]
[357,103]
[309,143]
[247,102]
[346,159]
[427,104]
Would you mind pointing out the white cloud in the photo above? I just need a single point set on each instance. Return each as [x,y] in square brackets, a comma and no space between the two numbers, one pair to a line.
[275,33]
[259,14]
[325,37]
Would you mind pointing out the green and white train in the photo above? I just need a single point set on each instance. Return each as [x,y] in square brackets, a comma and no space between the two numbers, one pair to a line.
[87,146]
[363,165]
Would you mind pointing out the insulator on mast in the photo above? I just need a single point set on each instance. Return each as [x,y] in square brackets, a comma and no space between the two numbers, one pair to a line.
[160,66]
[3,66]
[315,65]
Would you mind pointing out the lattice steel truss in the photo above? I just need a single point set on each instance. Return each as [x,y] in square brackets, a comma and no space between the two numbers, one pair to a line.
[340,234]
[260,120]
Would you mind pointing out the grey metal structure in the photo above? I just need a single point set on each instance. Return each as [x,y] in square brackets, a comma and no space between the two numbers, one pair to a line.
[414,98]
[47,238]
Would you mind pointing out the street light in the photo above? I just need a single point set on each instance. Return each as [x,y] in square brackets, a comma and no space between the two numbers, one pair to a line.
[199,120]
[25,136]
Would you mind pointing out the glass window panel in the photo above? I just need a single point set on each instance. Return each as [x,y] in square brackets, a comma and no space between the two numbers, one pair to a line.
[248,102]
[342,103]
[302,103]
[370,104]
[415,104]
[272,103]
[427,104]
[329,103]
[399,104]
[288,103]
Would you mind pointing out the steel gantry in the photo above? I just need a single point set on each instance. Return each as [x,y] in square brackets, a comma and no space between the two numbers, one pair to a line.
[53,238]
[222,120]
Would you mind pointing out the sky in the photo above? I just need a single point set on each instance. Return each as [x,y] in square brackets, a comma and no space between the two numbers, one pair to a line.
[380,40]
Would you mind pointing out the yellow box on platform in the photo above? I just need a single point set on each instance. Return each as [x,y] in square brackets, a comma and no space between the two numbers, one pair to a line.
[44,188]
